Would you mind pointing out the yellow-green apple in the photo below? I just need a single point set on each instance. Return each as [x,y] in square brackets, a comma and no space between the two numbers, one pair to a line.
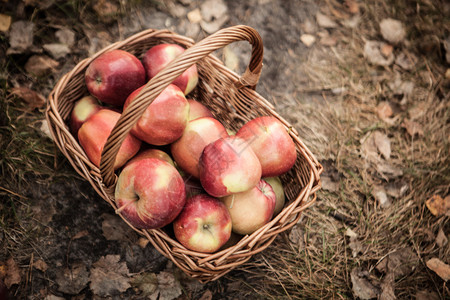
[157,57]
[112,76]
[82,110]
[277,186]
[228,166]
[164,120]
[271,142]
[203,225]
[198,110]
[252,209]
[96,130]
[198,133]
[150,193]
[152,153]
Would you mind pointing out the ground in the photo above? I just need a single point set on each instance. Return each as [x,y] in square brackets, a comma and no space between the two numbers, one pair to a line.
[369,97]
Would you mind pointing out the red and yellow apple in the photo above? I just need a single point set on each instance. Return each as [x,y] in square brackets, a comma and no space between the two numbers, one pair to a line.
[82,110]
[94,133]
[228,166]
[164,120]
[150,193]
[157,57]
[277,186]
[198,133]
[252,209]
[271,142]
[198,110]
[113,75]
[204,224]
[152,153]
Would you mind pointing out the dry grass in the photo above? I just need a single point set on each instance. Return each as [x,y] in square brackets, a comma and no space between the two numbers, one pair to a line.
[342,95]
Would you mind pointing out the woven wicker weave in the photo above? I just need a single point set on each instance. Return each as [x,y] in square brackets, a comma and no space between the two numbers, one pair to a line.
[232,100]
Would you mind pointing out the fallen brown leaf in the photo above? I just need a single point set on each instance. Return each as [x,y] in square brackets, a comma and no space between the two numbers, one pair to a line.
[325,21]
[12,274]
[40,265]
[392,30]
[32,98]
[383,144]
[400,263]
[427,295]
[384,110]
[439,267]
[146,283]
[379,193]
[438,206]
[5,22]
[361,285]
[106,10]
[109,276]
[441,238]
[207,295]
[73,279]
[20,37]
[373,53]
[352,6]
[308,39]
[39,65]
[80,234]
[386,50]
[412,127]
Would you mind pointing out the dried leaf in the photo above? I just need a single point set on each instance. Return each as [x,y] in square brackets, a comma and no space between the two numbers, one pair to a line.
[115,229]
[407,62]
[387,289]
[439,267]
[146,283]
[361,285]
[372,52]
[352,6]
[109,276]
[5,22]
[386,50]
[12,274]
[20,37]
[106,10]
[392,30]
[32,98]
[168,287]
[57,50]
[207,295]
[73,280]
[213,26]
[213,10]
[383,144]
[418,110]
[143,242]
[400,263]
[308,39]
[66,36]
[413,128]
[40,265]
[46,131]
[427,295]
[80,234]
[384,110]
[388,169]
[369,148]
[379,193]
[328,184]
[39,65]
[325,21]
[441,238]
[195,16]
[438,206]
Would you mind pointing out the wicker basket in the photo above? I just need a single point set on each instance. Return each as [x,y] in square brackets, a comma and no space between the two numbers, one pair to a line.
[232,100]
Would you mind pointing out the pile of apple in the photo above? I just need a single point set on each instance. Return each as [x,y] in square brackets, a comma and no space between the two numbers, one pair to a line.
[179,166]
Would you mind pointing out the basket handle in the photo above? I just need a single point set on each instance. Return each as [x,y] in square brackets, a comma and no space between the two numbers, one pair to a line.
[175,68]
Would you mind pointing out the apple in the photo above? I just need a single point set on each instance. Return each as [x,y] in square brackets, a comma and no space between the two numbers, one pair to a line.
[153,153]
[157,57]
[164,120]
[150,193]
[204,224]
[198,133]
[82,110]
[271,142]
[228,166]
[198,110]
[113,75]
[277,186]
[252,209]
[94,133]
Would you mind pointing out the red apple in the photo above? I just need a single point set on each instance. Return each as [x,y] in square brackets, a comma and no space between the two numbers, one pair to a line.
[203,225]
[112,76]
[277,186]
[96,130]
[150,193]
[157,57]
[271,142]
[198,133]
[228,166]
[165,118]
[152,153]
[82,110]
[252,209]
[198,110]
